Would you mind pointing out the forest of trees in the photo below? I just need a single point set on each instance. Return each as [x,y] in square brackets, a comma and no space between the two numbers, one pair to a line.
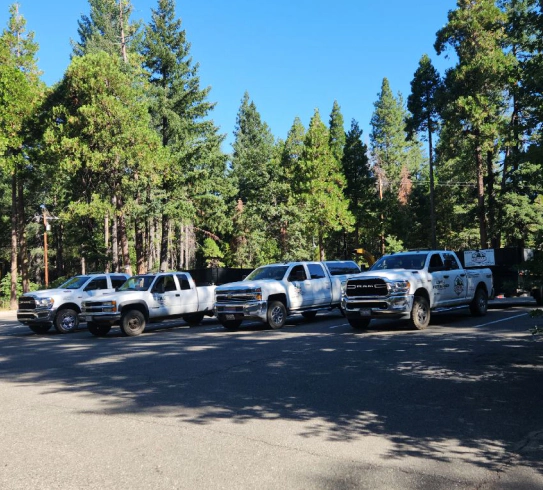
[125,157]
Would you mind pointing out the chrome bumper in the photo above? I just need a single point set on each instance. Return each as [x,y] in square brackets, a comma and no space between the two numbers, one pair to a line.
[374,307]
[256,309]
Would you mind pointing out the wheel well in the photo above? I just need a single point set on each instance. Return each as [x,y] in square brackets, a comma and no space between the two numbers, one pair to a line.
[136,306]
[278,297]
[72,306]
[422,292]
[482,285]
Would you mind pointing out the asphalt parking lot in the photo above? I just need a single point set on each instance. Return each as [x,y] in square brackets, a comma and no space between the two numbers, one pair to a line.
[314,405]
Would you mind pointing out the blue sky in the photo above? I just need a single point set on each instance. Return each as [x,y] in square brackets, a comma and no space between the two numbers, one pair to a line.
[292,56]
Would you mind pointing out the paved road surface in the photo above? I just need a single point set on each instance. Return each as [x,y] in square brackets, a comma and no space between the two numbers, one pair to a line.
[313,406]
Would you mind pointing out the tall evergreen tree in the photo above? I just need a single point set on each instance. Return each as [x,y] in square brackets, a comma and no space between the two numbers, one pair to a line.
[423,103]
[20,92]
[337,132]
[476,88]
[319,183]
[193,182]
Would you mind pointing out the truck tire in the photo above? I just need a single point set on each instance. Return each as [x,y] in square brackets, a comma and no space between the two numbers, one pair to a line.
[97,329]
[309,315]
[359,323]
[420,314]
[479,304]
[133,323]
[231,325]
[66,320]
[277,315]
[193,319]
[40,329]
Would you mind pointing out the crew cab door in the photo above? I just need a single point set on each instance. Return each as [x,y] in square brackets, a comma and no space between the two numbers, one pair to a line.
[299,287]
[188,298]
[457,278]
[321,285]
[96,286]
[166,297]
[436,270]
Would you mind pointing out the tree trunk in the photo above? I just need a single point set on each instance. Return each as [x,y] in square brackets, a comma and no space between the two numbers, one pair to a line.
[114,238]
[123,237]
[21,222]
[164,243]
[13,285]
[481,198]
[491,198]
[140,247]
[432,194]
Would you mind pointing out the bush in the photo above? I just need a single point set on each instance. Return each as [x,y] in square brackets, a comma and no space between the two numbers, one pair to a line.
[5,288]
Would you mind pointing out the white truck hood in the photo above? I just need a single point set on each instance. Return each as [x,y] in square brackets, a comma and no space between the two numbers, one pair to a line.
[391,274]
[51,293]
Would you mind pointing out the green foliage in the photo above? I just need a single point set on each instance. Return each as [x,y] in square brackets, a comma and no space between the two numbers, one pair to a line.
[5,288]
[212,253]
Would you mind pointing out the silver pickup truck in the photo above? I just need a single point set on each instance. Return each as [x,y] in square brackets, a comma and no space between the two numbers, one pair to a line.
[412,284]
[40,310]
[148,298]
[272,292]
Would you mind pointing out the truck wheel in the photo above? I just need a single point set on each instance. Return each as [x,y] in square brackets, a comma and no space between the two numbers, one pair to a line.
[309,315]
[479,304]
[277,315]
[40,329]
[66,321]
[359,323]
[232,325]
[133,323]
[194,319]
[97,329]
[420,314]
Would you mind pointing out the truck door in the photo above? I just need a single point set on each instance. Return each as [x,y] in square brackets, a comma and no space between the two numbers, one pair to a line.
[166,297]
[299,287]
[457,278]
[321,285]
[439,283]
[188,296]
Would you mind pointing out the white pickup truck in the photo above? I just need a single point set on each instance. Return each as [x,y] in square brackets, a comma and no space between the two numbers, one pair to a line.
[40,310]
[148,298]
[272,292]
[411,284]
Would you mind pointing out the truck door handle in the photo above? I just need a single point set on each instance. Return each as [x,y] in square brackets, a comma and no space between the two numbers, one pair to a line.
[462,275]
[178,295]
[446,277]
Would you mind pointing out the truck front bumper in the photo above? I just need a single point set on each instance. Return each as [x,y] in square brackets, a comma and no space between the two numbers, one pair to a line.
[376,307]
[102,318]
[241,311]
[36,317]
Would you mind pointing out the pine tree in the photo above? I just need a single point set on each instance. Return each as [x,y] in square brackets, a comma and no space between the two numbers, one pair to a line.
[423,103]
[337,132]
[193,185]
[20,91]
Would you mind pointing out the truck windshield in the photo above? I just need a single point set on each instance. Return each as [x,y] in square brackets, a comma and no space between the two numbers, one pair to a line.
[74,282]
[276,272]
[137,283]
[340,268]
[400,261]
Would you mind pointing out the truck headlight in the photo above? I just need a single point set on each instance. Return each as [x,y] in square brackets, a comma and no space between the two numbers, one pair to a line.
[109,306]
[45,303]
[399,287]
[258,294]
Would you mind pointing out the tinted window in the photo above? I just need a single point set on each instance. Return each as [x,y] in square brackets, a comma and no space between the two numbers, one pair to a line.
[97,283]
[401,261]
[435,261]
[117,281]
[453,261]
[137,283]
[316,271]
[339,268]
[183,281]
[268,272]
[169,284]
[74,283]
[297,273]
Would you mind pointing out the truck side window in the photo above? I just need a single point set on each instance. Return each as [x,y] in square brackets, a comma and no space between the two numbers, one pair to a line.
[316,271]
[97,283]
[297,273]
[183,281]
[117,281]
[159,285]
[452,261]
[436,264]
[169,284]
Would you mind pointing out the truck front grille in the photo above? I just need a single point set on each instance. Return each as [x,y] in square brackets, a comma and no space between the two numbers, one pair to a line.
[366,287]
[27,303]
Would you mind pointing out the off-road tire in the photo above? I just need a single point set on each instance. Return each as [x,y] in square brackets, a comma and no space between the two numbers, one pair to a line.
[133,323]
[479,304]
[420,314]
[277,315]
[66,320]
